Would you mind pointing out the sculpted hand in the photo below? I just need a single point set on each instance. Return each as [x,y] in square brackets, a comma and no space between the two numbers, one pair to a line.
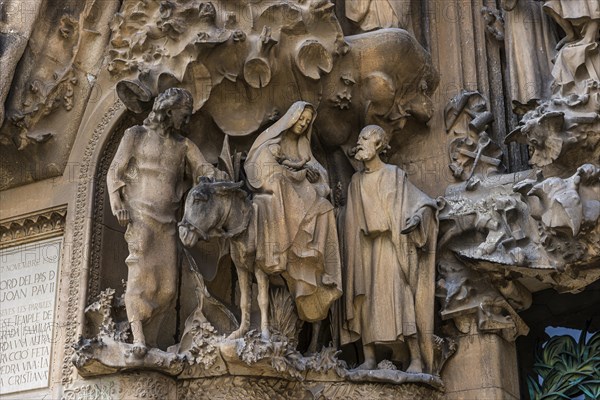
[295,165]
[312,175]
[411,224]
[123,217]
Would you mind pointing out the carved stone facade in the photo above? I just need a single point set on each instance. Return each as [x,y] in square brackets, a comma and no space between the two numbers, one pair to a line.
[298,198]
[33,227]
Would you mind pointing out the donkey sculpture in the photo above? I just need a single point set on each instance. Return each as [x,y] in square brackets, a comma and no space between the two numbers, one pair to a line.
[223,210]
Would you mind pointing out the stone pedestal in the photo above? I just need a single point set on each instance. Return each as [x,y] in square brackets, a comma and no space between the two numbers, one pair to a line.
[484,367]
[148,385]
[137,385]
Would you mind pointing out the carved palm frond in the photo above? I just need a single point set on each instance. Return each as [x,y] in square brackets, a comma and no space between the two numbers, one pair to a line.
[567,368]
[230,163]
[283,316]
[225,159]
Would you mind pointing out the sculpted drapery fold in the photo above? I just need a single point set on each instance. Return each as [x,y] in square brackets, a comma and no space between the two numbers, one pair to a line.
[390,232]
[296,225]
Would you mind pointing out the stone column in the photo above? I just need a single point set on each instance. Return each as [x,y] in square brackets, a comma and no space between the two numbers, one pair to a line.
[484,367]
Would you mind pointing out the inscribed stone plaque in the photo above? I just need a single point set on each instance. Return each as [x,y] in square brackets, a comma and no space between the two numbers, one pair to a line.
[28,276]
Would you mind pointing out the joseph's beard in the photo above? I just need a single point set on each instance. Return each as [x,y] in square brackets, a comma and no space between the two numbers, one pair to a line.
[361,155]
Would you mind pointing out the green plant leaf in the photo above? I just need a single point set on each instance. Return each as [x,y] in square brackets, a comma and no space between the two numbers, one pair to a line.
[554,395]
[567,368]
[534,388]
[591,392]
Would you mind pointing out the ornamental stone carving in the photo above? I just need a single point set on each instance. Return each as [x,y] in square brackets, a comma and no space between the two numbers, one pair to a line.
[301,206]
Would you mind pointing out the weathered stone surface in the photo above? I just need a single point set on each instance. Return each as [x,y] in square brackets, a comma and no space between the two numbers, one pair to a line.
[58,52]
[74,84]
[253,388]
[28,284]
[478,369]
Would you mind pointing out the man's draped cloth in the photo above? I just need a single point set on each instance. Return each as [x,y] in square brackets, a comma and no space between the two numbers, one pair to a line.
[389,277]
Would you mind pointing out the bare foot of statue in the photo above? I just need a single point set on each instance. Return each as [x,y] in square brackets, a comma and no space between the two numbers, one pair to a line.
[237,334]
[139,349]
[368,364]
[265,334]
[370,359]
[415,366]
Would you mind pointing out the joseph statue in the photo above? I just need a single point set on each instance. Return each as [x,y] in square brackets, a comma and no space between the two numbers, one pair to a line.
[389,247]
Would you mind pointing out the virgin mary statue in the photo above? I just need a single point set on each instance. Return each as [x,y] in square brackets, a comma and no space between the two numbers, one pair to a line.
[296,231]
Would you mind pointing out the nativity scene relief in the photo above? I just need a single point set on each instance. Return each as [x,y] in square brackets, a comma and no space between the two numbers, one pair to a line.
[273,215]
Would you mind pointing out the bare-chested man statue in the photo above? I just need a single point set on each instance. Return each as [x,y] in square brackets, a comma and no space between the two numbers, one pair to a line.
[146,182]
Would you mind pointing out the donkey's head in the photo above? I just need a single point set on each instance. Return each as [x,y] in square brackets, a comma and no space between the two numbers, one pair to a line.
[208,210]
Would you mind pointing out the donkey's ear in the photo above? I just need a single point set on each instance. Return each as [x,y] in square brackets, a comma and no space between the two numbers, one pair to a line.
[223,187]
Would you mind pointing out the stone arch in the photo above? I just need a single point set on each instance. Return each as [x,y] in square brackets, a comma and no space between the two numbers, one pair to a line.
[108,250]
[87,150]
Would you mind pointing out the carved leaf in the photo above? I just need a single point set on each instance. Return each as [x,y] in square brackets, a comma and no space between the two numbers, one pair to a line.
[379,91]
[312,58]
[133,94]
[246,107]
[225,160]
[284,17]
[548,152]
[284,318]
[257,72]
[201,84]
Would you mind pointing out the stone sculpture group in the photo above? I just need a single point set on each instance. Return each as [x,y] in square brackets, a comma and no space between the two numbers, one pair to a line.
[336,259]
[284,226]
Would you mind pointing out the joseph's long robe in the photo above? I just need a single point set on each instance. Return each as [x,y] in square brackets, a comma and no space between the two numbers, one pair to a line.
[574,10]
[389,277]
[376,14]
[529,41]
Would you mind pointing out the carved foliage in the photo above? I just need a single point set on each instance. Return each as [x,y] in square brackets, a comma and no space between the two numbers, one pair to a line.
[126,386]
[250,388]
[95,391]
[563,131]
[204,350]
[224,50]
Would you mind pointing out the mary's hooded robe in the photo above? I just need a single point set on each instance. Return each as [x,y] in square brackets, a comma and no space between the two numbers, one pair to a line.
[296,230]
